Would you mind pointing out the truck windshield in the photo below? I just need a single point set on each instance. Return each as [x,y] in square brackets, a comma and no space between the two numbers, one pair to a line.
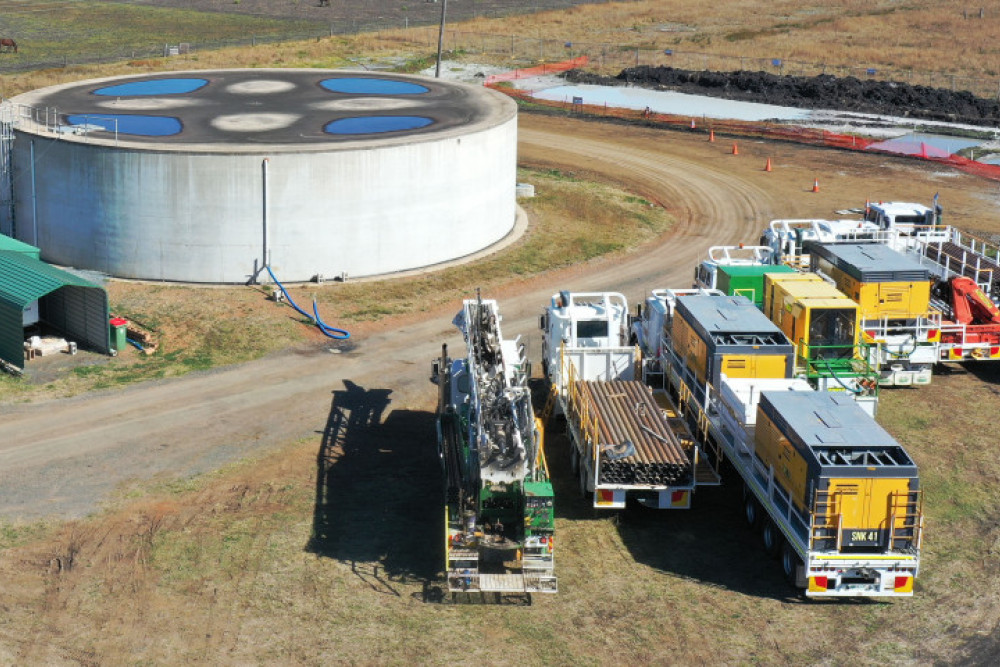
[591,329]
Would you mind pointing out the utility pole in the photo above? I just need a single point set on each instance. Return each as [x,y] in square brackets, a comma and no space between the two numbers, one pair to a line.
[444,10]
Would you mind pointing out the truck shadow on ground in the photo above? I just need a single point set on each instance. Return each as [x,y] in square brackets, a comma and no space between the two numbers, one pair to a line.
[709,543]
[378,487]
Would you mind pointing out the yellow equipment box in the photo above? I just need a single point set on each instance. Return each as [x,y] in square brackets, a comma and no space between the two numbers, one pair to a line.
[883,281]
[859,485]
[813,314]
[714,335]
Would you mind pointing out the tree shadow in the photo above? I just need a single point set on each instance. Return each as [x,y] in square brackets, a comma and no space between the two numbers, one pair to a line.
[378,501]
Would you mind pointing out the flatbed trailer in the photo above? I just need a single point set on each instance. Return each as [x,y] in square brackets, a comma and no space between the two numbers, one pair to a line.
[626,442]
[947,252]
[818,552]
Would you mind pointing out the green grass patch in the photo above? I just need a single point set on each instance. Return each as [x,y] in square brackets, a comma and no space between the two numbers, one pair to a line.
[15,533]
[79,31]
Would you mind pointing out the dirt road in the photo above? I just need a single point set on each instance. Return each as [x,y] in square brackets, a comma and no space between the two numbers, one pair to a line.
[63,457]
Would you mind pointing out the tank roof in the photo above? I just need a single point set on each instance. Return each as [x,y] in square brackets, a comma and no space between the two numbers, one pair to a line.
[260,110]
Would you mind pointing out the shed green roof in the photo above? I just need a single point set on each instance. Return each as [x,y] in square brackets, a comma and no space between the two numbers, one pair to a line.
[8,243]
[24,279]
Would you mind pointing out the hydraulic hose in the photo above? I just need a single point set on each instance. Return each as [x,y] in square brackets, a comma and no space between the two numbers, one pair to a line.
[833,374]
[328,331]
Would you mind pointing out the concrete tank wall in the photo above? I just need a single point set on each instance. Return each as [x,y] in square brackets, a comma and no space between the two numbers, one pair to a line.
[200,213]
[200,217]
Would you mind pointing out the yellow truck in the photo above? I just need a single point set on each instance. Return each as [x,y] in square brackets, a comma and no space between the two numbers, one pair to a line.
[850,491]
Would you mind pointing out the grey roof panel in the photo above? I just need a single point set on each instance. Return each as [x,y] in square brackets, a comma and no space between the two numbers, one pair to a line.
[724,314]
[810,412]
[870,262]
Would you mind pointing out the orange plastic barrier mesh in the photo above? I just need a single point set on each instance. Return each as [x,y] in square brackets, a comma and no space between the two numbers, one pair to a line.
[538,70]
[802,135]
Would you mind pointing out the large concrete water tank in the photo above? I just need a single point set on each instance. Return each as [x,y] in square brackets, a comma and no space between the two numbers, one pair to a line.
[202,176]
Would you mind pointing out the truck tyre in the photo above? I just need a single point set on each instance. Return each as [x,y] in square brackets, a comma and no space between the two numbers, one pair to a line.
[574,459]
[771,537]
[790,563]
[583,481]
[751,510]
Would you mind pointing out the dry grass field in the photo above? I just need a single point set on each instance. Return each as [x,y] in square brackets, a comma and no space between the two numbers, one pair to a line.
[307,555]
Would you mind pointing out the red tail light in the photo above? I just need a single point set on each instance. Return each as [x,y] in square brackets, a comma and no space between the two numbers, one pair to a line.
[994,351]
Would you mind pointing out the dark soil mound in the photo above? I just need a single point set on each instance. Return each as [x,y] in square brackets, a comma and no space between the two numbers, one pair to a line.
[889,98]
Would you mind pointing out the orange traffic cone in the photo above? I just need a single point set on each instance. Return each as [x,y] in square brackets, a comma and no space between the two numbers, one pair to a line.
[767,165]
[693,126]
[711,135]
[815,185]
[736,151]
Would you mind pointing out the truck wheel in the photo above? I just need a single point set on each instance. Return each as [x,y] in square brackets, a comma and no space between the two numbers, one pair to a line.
[771,537]
[790,563]
[574,459]
[751,510]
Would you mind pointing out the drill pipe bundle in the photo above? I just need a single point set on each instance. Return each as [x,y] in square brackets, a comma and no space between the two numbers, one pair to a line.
[627,413]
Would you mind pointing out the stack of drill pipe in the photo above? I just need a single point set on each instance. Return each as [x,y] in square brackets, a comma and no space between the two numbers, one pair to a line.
[659,458]
[961,259]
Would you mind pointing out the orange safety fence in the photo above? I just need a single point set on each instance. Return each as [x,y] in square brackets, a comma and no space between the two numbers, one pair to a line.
[538,70]
[781,132]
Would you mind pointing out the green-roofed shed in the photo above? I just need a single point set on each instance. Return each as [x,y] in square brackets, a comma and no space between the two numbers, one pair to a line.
[66,302]
[8,243]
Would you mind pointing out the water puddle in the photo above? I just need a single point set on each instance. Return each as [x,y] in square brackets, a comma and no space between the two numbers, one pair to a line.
[668,102]
[929,145]
[147,126]
[376,124]
[153,87]
[371,86]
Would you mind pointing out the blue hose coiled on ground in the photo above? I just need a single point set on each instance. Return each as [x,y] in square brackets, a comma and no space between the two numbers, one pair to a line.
[328,331]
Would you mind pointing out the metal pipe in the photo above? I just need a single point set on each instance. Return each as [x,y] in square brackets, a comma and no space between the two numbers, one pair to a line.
[34,196]
[444,11]
[265,257]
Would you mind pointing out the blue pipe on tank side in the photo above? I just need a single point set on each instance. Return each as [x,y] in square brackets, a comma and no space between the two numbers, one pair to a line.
[328,331]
